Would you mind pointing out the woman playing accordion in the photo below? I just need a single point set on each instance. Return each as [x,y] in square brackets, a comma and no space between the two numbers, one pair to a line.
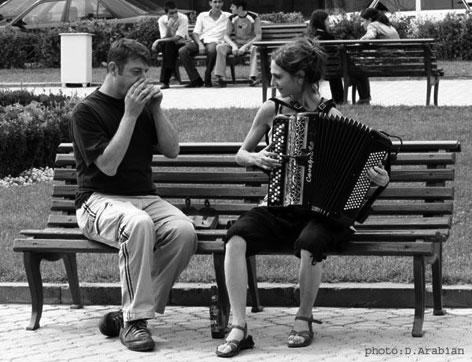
[296,69]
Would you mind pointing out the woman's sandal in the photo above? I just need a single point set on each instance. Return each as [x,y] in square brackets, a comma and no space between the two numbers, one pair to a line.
[306,335]
[235,345]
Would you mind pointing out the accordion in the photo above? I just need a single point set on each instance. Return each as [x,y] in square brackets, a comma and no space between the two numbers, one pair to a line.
[324,165]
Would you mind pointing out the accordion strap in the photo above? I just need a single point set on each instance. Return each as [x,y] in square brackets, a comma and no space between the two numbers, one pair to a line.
[324,107]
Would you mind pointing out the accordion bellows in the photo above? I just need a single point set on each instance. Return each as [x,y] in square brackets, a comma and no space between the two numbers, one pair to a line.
[325,162]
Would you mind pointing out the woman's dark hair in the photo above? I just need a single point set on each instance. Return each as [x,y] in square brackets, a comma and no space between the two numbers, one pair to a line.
[302,54]
[375,15]
[317,21]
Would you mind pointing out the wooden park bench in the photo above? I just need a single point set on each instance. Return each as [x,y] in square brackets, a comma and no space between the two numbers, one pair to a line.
[411,218]
[270,32]
[371,58]
[391,58]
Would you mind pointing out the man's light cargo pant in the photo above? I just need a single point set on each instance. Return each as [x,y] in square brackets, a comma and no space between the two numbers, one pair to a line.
[155,241]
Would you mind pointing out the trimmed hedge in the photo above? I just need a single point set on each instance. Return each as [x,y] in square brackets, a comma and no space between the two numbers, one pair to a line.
[42,48]
[30,134]
[23,97]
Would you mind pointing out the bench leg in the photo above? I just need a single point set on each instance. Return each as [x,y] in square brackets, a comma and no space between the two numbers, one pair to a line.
[252,281]
[32,263]
[436,91]
[177,73]
[346,89]
[70,263]
[437,284]
[233,72]
[419,276]
[265,71]
[428,91]
[223,300]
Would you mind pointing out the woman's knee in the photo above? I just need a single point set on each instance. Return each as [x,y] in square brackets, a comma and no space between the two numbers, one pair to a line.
[236,245]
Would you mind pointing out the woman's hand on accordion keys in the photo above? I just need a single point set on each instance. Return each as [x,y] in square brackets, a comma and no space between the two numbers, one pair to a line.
[378,175]
[266,159]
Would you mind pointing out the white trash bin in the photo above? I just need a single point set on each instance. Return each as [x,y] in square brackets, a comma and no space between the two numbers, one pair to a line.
[76,59]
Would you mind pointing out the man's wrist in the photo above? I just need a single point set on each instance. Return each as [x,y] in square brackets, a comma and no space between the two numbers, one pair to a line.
[129,117]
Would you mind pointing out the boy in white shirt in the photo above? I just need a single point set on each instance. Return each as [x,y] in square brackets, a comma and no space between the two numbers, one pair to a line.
[209,30]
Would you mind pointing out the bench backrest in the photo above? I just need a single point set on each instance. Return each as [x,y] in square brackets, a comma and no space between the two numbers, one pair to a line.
[420,186]
[276,31]
[390,59]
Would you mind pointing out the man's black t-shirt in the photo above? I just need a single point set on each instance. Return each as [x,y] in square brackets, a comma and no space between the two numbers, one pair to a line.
[94,123]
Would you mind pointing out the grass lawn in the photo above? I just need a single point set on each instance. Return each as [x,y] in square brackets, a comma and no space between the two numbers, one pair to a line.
[452,69]
[28,207]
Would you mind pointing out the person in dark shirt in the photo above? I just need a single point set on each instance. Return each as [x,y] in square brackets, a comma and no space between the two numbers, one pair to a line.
[114,132]
[318,29]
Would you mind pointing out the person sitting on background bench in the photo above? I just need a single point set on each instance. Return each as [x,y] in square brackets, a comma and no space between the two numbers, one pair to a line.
[377,26]
[296,69]
[209,31]
[246,27]
[173,30]
[114,132]
[318,29]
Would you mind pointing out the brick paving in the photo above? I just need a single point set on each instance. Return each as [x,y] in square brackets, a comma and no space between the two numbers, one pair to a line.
[183,334]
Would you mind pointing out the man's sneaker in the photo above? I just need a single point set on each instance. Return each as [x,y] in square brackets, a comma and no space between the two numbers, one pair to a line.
[195,83]
[253,81]
[221,83]
[136,336]
[111,323]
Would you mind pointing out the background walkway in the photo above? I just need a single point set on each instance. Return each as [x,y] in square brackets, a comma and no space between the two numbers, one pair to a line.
[183,334]
[452,92]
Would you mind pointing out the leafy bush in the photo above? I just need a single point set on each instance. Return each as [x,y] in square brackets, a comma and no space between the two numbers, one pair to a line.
[29,135]
[283,18]
[24,97]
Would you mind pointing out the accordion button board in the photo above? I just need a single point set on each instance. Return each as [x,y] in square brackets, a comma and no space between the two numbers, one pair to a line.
[324,163]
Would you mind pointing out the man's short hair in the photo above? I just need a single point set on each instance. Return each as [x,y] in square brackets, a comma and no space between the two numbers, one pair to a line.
[169,5]
[124,50]
[240,3]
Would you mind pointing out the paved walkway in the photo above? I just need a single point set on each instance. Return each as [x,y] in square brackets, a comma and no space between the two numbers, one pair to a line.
[452,92]
[183,334]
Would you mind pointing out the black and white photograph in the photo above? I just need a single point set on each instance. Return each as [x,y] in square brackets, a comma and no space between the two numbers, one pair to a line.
[284,180]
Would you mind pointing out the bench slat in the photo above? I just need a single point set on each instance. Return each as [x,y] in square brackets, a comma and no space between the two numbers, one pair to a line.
[251,192]
[244,177]
[67,160]
[231,148]
[385,233]
[63,226]
[209,247]
[442,208]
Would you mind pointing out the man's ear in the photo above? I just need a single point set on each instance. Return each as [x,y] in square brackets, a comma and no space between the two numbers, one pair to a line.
[112,68]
